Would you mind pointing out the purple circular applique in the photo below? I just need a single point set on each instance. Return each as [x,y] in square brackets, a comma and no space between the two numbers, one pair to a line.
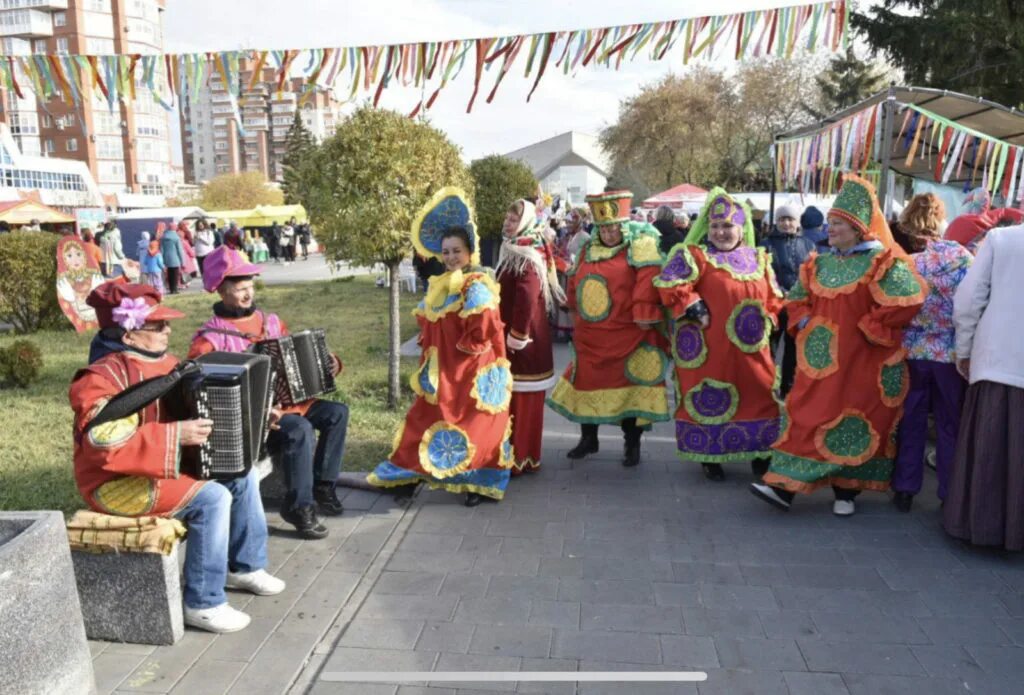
[742,259]
[692,437]
[711,401]
[768,433]
[735,438]
[677,268]
[689,342]
[749,325]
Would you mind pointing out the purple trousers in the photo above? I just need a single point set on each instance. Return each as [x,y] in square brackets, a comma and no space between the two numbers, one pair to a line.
[934,387]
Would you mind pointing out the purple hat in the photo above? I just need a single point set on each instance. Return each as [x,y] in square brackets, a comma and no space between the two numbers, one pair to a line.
[725,208]
[226,263]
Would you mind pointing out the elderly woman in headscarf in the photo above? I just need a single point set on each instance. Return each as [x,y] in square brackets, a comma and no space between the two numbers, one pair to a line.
[848,311]
[935,385]
[529,292]
[721,291]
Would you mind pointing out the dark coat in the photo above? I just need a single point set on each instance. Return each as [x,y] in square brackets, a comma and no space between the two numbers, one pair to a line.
[788,252]
[670,235]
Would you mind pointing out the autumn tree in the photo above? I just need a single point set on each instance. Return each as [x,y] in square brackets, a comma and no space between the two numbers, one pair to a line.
[499,181]
[238,192]
[373,175]
[300,147]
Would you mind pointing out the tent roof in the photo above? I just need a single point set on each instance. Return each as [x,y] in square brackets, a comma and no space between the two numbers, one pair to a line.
[183,213]
[986,117]
[24,211]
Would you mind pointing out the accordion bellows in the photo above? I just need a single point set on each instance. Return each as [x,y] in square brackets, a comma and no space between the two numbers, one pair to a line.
[303,365]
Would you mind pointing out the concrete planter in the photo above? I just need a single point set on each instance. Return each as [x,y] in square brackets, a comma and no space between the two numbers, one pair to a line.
[42,637]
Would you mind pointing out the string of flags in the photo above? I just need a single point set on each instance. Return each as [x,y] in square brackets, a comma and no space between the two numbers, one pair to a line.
[356,70]
[950,151]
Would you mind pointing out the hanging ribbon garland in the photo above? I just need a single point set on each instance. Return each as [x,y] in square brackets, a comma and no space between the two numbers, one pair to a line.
[372,69]
[948,150]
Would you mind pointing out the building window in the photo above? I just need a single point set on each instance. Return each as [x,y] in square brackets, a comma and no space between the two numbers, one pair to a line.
[39,46]
[62,44]
[50,147]
[72,144]
[60,19]
[47,121]
[69,119]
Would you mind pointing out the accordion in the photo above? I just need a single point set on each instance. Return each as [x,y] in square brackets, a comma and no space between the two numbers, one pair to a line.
[234,390]
[302,363]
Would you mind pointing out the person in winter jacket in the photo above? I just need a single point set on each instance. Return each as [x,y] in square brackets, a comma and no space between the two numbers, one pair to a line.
[174,257]
[113,253]
[788,250]
[205,243]
[151,263]
[812,225]
[665,223]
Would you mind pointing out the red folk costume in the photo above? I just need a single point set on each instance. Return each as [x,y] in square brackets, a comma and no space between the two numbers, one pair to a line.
[725,375]
[617,370]
[127,467]
[457,434]
[529,291]
[847,312]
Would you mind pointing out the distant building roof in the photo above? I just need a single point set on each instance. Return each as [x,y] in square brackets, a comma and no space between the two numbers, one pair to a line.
[568,149]
[53,181]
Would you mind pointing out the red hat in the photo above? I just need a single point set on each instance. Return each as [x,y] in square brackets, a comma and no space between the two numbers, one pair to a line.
[128,305]
[223,263]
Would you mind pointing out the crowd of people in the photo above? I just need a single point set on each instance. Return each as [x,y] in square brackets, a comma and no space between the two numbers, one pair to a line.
[819,365]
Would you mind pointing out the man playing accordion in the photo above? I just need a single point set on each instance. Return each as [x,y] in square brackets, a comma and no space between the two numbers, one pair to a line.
[311,467]
[130,465]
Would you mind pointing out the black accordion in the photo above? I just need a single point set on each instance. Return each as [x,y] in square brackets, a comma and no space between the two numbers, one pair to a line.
[235,391]
[303,365]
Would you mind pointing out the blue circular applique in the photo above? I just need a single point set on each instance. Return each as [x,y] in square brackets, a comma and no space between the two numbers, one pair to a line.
[448,449]
[492,386]
[478,296]
[424,379]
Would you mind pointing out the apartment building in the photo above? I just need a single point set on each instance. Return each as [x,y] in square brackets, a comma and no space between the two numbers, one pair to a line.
[127,146]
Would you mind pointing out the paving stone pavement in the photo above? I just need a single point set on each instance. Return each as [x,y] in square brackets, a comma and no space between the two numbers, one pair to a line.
[591,566]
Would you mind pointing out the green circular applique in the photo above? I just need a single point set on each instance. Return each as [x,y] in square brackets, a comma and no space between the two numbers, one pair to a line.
[646,365]
[797,292]
[593,300]
[712,402]
[850,438]
[818,348]
[899,281]
[892,380]
[834,271]
[748,326]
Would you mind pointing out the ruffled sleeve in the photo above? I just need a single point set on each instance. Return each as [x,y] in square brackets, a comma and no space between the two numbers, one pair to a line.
[677,283]
[482,328]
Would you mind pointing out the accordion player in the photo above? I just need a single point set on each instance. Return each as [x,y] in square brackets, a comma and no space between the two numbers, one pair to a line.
[234,390]
[303,365]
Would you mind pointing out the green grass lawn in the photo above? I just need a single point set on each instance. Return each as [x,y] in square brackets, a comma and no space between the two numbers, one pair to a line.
[35,423]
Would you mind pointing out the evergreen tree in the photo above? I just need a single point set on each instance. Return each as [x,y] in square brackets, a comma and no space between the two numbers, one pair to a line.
[300,150]
[847,81]
[961,45]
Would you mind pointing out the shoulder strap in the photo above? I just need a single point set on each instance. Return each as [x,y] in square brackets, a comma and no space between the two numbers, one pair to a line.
[226,331]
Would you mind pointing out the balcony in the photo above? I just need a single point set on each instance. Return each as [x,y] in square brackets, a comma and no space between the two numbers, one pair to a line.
[15,47]
[26,23]
[27,4]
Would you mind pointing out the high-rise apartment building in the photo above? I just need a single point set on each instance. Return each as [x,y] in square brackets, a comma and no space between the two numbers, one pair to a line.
[213,143]
[126,146]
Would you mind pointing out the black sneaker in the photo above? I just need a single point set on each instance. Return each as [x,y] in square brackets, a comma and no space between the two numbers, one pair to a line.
[903,501]
[713,471]
[326,495]
[306,522]
[473,499]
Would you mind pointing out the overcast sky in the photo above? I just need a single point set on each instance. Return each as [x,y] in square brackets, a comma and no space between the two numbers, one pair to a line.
[585,102]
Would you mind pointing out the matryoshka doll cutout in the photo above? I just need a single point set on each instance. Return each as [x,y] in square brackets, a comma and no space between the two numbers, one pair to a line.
[77,275]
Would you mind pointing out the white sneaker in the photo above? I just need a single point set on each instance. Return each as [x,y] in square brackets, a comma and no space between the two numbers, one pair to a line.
[260,582]
[843,507]
[222,618]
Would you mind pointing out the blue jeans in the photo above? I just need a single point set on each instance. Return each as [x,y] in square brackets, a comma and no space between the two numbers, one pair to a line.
[296,440]
[226,530]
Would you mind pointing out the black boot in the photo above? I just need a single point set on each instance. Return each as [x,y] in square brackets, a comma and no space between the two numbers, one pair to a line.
[587,443]
[326,496]
[903,501]
[305,521]
[760,466]
[404,492]
[713,471]
[631,434]
[473,499]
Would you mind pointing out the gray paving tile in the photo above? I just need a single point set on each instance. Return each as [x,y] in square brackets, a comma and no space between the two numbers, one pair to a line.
[676,594]
[1004,662]
[839,577]
[859,657]
[242,645]
[737,682]
[725,623]
[759,654]
[430,542]
[631,618]
[476,662]
[606,646]
[516,528]
[868,684]
[410,583]
[852,626]
[764,575]
[788,624]
[366,633]
[454,638]
[325,688]
[276,664]
[165,666]
[209,676]
[619,687]
[398,606]
[421,690]
[441,562]
[1012,627]
[964,604]
[110,670]
[507,586]
[815,683]
[618,568]
[605,590]
[511,640]
[547,664]
[716,573]
[493,611]
[735,597]
[544,547]
[947,662]
[561,567]
[1014,604]
[968,630]
[564,614]
[517,564]
[465,585]
[689,652]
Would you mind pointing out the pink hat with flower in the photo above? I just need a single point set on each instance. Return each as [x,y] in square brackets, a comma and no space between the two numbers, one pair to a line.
[128,305]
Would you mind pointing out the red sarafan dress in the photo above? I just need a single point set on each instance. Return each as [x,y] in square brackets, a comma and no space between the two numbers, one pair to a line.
[617,369]
[457,434]
[725,375]
[127,467]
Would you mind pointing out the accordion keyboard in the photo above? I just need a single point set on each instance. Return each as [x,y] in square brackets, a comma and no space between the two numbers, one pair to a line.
[225,448]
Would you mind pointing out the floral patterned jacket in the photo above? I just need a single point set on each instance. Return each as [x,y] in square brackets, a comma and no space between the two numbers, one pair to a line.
[930,336]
